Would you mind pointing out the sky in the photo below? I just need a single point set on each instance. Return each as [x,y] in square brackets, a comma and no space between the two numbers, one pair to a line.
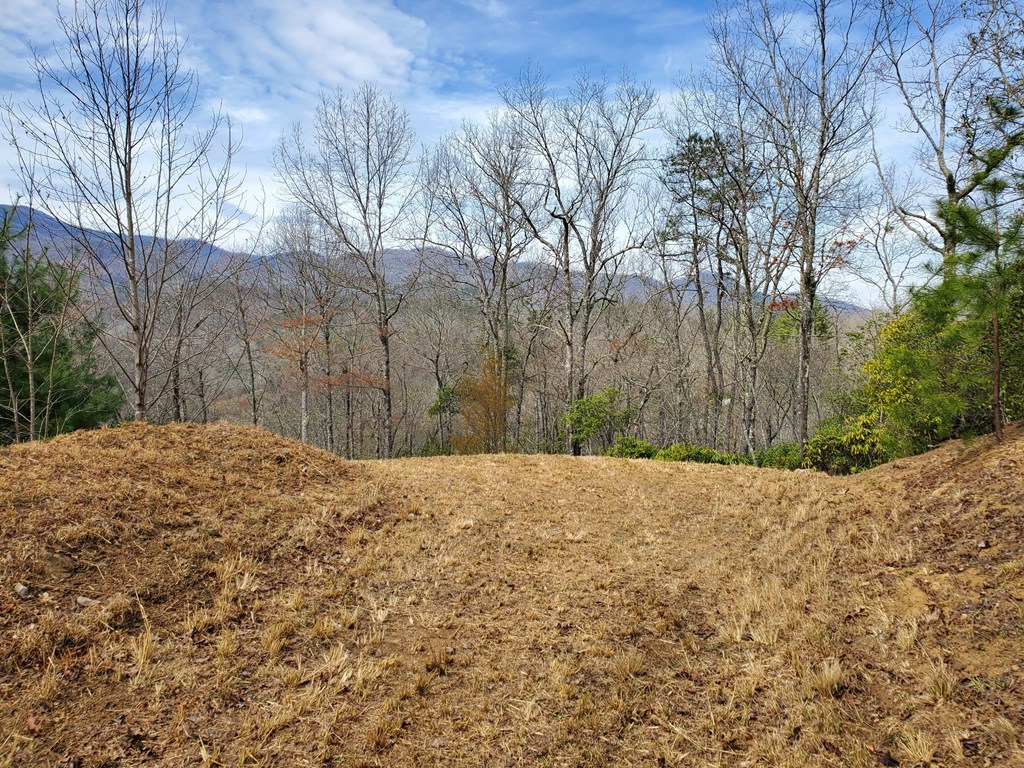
[265,62]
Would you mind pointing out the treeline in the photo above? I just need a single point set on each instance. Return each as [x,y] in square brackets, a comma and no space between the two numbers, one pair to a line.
[558,276]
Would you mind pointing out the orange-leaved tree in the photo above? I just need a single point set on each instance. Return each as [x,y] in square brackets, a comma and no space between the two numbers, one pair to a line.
[484,404]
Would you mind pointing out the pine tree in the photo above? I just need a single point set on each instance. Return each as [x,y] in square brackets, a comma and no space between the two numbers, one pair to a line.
[974,297]
[50,383]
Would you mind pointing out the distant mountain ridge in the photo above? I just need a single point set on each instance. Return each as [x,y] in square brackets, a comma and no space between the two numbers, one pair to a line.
[48,231]
[401,262]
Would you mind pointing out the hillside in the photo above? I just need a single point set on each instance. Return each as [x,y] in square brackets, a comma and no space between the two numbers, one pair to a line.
[219,596]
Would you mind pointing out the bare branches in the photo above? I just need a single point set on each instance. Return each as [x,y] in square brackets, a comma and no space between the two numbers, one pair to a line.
[588,153]
[356,176]
[805,74]
[109,149]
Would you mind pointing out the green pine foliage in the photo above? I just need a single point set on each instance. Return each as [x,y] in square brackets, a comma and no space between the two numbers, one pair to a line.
[49,364]
[597,419]
[952,365]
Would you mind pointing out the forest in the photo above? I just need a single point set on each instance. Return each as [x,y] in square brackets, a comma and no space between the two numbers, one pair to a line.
[809,254]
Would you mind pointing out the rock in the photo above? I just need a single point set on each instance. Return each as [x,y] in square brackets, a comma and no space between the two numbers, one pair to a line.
[438,743]
[983,544]
[22,591]
[86,602]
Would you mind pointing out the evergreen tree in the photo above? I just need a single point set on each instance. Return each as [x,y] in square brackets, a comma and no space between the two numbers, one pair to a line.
[980,289]
[50,382]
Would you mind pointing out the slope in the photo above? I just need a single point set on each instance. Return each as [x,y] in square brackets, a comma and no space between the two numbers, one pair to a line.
[218,596]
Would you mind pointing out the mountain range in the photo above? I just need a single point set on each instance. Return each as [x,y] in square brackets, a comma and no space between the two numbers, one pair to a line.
[401,263]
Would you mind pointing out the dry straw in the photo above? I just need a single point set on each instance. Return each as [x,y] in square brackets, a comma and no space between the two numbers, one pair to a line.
[262,603]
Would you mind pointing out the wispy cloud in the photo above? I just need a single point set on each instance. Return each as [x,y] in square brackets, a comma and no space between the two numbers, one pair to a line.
[266,62]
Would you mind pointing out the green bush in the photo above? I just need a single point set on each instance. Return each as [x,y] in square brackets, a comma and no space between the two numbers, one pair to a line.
[596,419]
[847,447]
[780,456]
[686,452]
[699,454]
[628,447]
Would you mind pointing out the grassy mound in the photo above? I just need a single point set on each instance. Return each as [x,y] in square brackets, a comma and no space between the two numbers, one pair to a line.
[219,596]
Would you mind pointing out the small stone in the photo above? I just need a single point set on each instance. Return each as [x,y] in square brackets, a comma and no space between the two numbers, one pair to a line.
[438,743]
[22,591]
[86,602]
[983,544]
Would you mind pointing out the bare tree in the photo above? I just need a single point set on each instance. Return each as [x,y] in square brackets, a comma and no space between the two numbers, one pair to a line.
[356,176]
[896,256]
[438,337]
[927,58]
[111,150]
[304,269]
[588,150]
[803,68]
[481,191]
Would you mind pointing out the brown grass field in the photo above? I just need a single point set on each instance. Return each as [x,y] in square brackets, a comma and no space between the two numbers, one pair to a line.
[219,596]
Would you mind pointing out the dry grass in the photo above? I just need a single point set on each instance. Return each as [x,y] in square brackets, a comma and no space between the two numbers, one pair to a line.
[262,603]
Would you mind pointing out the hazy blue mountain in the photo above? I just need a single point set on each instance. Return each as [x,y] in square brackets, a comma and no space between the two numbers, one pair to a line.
[401,263]
[48,232]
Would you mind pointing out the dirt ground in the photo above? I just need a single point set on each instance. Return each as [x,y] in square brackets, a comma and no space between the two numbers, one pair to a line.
[220,596]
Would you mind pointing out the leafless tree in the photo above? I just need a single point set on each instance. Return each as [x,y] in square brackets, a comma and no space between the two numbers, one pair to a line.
[110,148]
[304,268]
[588,150]
[929,61]
[482,191]
[356,175]
[804,68]
[896,255]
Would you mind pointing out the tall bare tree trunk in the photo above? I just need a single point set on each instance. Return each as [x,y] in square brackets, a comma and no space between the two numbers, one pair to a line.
[304,396]
[387,415]
[329,374]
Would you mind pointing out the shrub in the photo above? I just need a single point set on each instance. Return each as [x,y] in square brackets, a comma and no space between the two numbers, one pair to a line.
[780,456]
[699,454]
[629,447]
[597,418]
[846,447]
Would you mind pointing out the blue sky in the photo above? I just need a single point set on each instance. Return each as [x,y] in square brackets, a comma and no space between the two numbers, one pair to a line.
[266,61]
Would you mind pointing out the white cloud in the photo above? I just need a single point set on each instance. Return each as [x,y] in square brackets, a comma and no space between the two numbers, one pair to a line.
[265,62]
[305,41]
[492,8]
